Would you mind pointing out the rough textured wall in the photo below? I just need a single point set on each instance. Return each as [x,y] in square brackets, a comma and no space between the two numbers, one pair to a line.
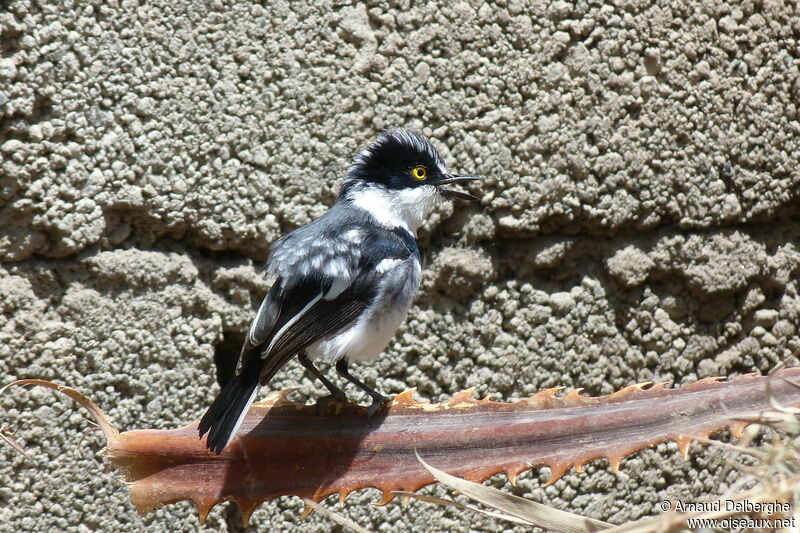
[639,218]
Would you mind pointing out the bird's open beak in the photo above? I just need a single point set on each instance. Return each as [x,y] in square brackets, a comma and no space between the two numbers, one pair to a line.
[451,194]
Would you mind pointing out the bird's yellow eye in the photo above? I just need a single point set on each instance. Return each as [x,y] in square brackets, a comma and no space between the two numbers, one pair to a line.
[419,173]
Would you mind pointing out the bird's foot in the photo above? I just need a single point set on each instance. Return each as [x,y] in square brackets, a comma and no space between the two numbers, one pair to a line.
[378,401]
[332,404]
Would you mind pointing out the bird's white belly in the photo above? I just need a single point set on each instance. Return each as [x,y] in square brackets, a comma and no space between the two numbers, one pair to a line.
[363,341]
[373,330]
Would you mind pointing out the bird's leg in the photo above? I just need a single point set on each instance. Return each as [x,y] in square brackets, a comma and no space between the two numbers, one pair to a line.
[378,399]
[337,395]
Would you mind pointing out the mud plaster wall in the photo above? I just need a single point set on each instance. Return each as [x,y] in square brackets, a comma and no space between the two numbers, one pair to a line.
[639,216]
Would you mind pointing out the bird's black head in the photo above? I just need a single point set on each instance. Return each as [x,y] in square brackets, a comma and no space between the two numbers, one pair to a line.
[400,159]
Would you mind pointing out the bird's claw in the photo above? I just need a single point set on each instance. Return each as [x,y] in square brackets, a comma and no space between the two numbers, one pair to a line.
[378,401]
[332,404]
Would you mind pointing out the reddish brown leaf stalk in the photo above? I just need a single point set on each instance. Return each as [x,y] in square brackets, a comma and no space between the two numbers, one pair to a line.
[287,449]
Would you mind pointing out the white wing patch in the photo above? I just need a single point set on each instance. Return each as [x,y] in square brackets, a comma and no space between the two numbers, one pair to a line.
[251,340]
[352,235]
[387,264]
[337,287]
[289,324]
[336,268]
[331,258]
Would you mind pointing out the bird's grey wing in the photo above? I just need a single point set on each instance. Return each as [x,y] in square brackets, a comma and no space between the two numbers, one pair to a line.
[324,299]
[312,270]
[305,264]
[336,304]
[297,317]
[266,317]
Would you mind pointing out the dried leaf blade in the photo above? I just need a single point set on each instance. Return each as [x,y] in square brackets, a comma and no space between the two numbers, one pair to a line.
[8,435]
[451,503]
[542,515]
[100,417]
[336,517]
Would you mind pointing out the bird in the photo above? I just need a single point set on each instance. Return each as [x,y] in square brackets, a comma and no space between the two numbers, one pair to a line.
[344,282]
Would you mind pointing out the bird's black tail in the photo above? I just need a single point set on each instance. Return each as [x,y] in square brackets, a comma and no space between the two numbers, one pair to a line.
[223,418]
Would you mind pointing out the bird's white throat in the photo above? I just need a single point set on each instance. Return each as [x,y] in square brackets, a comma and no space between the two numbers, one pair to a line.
[406,208]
